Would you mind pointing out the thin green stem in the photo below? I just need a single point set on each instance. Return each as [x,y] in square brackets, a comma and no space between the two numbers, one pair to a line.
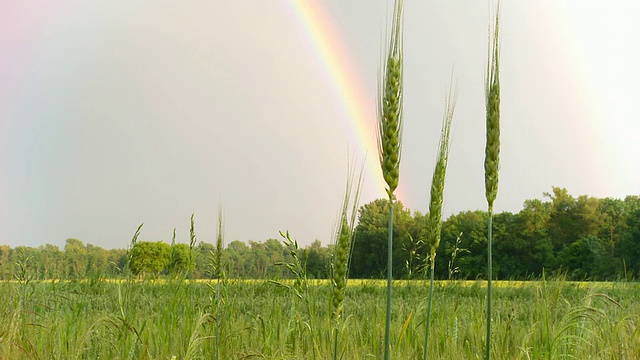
[428,323]
[387,332]
[545,314]
[335,343]
[489,276]
[217,353]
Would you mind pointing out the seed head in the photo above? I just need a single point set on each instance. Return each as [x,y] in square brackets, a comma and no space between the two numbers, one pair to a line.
[341,262]
[343,242]
[439,174]
[492,149]
[390,107]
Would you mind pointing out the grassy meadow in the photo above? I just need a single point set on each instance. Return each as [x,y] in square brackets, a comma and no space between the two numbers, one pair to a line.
[174,319]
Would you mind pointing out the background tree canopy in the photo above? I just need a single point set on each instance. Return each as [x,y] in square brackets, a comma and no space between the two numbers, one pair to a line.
[583,237]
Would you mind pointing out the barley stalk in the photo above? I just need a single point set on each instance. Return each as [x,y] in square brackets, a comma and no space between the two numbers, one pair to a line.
[492,152]
[218,269]
[492,149]
[172,255]
[343,248]
[341,259]
[390,140]
[192,240]
[437,199]
[219,274]
[439,174]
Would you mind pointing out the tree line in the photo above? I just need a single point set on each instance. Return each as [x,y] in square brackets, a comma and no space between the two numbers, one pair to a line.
[583,237]
[153,259]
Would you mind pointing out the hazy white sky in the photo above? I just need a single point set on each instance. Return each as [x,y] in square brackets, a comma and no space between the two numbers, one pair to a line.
[119,113]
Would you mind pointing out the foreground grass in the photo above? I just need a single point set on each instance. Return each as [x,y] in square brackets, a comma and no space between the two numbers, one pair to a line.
[167,319]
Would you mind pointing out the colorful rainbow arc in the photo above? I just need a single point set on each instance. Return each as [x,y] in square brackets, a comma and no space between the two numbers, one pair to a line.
[359,106]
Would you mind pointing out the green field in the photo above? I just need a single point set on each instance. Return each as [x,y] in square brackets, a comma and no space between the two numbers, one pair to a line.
[259,320]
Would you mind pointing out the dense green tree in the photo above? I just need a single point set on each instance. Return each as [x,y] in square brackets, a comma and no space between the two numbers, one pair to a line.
[614,214]
[534,218]
[149,257]
[370,242]
[117,260]
[512,251]
[582,258]
[571,218]
[629,247]
[265,255]
[238,259]
[76,258]
[416,251]
[318,260]
[202,259]
[5,268]
[97,261]
[180,260]
[54,263]
[472,226]
[564,224]
[589,213]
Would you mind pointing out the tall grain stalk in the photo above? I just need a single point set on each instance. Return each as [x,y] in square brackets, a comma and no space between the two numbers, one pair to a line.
[435,206]
[390,140]
[343,245]
[129,255]
[192,244]
[218,272]
[492,151]
[172,256]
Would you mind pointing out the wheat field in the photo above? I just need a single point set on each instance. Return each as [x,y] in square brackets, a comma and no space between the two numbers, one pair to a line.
[173,319]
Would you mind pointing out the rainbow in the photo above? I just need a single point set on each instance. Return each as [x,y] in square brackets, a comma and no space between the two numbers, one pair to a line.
[326,40]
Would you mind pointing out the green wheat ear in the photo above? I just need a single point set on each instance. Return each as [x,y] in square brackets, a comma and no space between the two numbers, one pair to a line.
[390,107]
[438,180]
[218,268]
[492,89]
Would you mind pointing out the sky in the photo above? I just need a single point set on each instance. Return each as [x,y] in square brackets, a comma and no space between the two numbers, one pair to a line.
[114,114]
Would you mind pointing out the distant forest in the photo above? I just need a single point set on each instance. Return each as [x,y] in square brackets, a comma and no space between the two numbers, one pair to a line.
[584,238]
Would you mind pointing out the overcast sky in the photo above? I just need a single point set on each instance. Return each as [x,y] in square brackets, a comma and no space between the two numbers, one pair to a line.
[118,113]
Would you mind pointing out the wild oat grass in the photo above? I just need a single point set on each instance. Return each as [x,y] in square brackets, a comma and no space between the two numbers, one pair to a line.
[492,152]
[390,138]
[436,203]
[297,267]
